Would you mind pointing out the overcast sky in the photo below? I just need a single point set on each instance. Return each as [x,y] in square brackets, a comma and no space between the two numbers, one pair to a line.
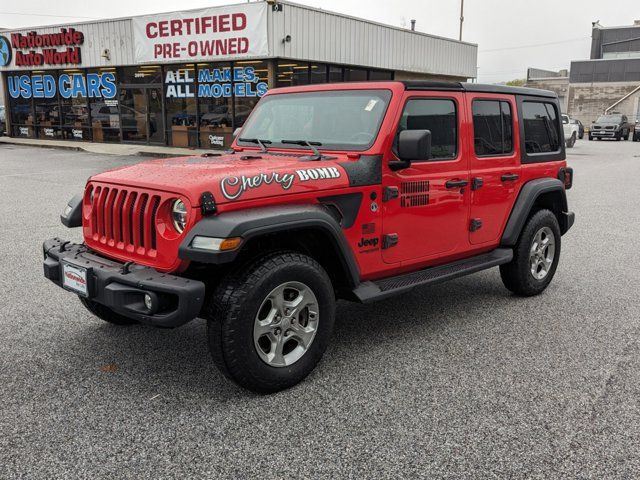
[511,34]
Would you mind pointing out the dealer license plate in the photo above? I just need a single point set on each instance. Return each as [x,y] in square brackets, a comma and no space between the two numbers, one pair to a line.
[75,279]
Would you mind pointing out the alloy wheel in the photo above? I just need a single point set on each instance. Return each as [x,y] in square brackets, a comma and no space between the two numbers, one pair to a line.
[286,324]
[542,253]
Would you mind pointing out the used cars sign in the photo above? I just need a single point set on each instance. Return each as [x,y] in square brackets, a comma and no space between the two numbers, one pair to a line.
[211,33]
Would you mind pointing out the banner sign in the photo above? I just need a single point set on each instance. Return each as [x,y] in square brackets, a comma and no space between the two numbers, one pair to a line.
[91,85]
[209,34]
[215,83]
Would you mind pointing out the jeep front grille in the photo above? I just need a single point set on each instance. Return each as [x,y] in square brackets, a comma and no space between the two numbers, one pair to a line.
[124,218]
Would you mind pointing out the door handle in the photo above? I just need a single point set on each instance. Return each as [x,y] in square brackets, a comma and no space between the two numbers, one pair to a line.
[509,177]
[456,184]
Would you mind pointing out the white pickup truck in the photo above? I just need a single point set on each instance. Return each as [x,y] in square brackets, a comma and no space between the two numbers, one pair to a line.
[571,131]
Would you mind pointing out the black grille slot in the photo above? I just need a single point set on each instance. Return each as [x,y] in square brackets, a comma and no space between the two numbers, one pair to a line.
[132,202]
[414,200]
[143,205]
[418,186]
[414,194]
[154,213]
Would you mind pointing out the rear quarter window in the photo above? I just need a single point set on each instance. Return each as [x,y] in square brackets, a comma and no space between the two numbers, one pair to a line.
[541,132]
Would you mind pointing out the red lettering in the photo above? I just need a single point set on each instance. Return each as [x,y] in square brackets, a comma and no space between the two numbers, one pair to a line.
[176,27]
[157,50]
[223,23]
[239,21]
[164,28]
[152,33]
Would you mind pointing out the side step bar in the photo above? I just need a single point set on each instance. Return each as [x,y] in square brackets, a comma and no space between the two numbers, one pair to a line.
[371,291]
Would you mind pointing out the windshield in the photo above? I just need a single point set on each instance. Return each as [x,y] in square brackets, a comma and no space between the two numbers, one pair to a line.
[334,120]
[609,119]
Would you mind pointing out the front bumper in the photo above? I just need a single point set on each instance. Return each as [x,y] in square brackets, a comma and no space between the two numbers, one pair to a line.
[603,133]
[122,287]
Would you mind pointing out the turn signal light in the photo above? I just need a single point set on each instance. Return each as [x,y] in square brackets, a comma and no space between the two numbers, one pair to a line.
[216,244]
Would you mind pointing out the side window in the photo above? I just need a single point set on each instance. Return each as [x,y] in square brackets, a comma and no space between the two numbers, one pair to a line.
[439,116]
[540,127]
[492,128]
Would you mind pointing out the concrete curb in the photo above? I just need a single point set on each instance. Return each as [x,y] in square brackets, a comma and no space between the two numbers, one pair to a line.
[105,148]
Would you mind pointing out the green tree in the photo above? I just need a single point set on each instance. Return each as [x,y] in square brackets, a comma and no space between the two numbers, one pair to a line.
[518,82]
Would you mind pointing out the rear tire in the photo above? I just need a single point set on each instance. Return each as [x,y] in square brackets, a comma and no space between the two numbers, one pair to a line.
[105,313]
[535,256]
[269,323]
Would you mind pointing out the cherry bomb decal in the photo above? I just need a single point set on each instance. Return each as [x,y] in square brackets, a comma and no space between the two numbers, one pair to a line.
[233,187]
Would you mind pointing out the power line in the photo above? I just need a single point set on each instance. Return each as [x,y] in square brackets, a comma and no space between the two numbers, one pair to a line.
[533,45]
[47,15]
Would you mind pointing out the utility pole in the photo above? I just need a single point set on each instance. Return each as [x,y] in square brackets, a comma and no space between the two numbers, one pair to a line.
[461,17]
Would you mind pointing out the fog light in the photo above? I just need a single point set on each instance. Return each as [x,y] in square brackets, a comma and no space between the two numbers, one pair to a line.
[148,302]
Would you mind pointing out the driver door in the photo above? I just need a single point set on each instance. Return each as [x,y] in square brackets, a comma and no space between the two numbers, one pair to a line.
[426,205]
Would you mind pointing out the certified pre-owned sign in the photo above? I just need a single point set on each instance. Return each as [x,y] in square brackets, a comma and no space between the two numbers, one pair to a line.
[212,33]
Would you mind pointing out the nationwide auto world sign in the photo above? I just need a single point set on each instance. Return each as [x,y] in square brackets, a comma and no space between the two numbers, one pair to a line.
[35,49]
[198,35]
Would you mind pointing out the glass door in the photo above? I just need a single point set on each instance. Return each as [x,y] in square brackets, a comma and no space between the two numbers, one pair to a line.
[155,117]
[141,115]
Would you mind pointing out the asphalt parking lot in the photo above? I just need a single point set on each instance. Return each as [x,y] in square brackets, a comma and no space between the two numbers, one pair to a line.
[458,381]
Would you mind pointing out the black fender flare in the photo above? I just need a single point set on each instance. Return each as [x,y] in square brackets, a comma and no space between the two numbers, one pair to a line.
[72,215]
[527,197]
[254,222]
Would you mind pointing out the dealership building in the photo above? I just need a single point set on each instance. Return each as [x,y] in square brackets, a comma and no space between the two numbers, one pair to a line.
[190,78]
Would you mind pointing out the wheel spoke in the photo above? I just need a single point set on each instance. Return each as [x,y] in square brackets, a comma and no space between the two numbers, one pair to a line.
[298,304]
[278,357]
[304,335]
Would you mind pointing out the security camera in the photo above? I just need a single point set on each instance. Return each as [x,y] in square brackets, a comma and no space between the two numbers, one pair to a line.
[106,54]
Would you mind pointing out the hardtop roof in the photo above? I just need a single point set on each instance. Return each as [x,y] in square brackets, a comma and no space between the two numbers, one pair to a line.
[476,87]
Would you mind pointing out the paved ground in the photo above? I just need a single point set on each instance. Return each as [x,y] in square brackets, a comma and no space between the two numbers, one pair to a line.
[462,380]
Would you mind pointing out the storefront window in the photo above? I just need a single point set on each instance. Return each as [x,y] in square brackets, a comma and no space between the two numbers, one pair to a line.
[291,73]
[215,105]
[335,73]
[104,112]
[318,73]
[180,84]
[255,76]
[380,75]
[21,113]
[47,110]
[355,75]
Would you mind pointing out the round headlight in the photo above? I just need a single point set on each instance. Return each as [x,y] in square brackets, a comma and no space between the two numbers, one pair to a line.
[179,215]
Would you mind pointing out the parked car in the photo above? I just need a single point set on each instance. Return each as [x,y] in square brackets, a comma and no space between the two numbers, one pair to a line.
[220,116]
[636,131]
[571,130]
[336,191]
[611,126]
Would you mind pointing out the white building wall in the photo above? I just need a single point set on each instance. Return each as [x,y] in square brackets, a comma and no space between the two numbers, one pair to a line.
[318,35]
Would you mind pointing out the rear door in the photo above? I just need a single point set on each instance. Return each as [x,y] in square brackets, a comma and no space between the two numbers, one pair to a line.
[428,211]
[494,164]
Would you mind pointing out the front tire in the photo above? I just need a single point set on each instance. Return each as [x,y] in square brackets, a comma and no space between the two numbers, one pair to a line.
[105,313]
[268,324]
[535,256]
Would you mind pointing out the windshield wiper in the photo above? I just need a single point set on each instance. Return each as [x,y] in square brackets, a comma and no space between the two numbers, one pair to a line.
[305,143]
[258,141]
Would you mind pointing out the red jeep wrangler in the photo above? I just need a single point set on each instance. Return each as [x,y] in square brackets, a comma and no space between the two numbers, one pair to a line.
[357,191]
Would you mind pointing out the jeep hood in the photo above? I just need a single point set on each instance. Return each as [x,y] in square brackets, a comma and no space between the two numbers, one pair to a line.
[231,177]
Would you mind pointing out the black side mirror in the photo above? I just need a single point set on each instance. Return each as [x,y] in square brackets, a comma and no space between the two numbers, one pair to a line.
[412,145]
